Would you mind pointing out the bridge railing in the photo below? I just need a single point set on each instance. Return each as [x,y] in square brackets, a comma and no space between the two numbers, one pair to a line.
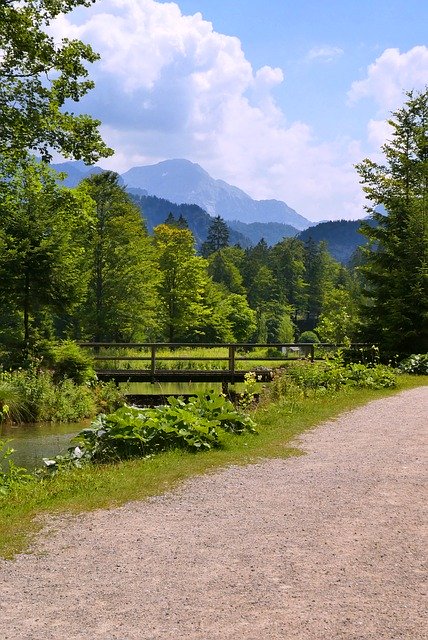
[235,352]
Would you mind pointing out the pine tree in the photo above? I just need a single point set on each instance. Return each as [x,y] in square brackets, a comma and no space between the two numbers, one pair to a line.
[395,312]
[217,238]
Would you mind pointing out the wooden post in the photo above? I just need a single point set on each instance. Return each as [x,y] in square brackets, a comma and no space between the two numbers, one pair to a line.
[232,362]
[312,352]
[153,363]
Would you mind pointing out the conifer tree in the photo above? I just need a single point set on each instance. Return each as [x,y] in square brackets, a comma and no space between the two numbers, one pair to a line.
[395,311]
[217,238]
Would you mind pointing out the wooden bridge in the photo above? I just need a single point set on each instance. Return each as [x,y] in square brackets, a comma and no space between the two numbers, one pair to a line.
[231,370]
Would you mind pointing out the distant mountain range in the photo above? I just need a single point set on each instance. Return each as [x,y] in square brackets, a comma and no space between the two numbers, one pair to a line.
[184,189]
[155,208]
[184,182]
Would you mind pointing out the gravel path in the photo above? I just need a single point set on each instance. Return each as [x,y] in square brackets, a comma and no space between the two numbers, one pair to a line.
[329,545]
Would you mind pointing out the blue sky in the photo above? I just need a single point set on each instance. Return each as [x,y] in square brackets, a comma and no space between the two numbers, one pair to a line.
[279,98]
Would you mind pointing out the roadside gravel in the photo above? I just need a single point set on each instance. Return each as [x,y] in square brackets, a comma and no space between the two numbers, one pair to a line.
[329,545]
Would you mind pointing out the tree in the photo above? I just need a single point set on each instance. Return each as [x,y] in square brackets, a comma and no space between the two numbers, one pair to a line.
[395,312]
[41,258]
[217,237]
[288,264]
[223,271]
[37,78]
[121,298]
[182,282]
[337,322]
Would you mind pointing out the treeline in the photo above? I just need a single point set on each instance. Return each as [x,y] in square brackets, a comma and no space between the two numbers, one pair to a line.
[80,264]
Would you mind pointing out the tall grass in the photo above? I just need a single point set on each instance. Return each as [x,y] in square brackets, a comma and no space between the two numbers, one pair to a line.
[34,396]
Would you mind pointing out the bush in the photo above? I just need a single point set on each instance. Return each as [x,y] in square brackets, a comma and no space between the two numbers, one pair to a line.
[416,364]
[274,352]
[332,375]
[72,362]
[33,396]
[309,336]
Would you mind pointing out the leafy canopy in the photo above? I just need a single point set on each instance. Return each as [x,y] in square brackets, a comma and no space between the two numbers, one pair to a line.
[37,78]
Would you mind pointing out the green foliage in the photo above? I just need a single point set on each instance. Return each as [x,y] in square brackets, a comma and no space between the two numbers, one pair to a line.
[337,322]
[416,364]
[217,237]
[11,476]
[120,266]
[41,400]
[182,282]
[395,267]
[309,336]
[42,273]
[131,432]
[38,77]
[332,375]
[72,362]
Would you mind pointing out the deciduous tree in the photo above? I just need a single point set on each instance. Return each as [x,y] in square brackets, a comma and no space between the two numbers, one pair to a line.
[37,78]
[121,296]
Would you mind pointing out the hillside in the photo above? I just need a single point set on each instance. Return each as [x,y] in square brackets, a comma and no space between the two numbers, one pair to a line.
[342,237]
[155,211]
[272,232]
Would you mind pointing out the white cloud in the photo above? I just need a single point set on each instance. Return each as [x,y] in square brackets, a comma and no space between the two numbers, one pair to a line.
[390,76]
[169,86]
[378,132]
[326,53]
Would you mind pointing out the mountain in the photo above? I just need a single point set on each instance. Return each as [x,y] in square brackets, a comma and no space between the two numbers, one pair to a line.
[155,211]
[76,170]
[272,232]
[341,236]
[182,181]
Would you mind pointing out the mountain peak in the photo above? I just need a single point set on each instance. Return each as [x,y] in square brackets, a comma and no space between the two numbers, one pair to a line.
[183,181]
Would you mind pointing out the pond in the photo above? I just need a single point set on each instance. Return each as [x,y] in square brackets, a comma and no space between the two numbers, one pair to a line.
[33,442]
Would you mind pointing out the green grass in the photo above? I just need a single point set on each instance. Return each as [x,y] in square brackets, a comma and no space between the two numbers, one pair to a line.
[111,485]
[200,358]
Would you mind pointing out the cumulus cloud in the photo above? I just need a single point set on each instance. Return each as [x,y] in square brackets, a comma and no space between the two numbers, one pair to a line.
[390,76]
[169,86]
[326,53]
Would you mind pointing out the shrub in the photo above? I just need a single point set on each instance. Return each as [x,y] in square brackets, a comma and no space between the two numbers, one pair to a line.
[332,375]
[133,432]
[416,364]
[309,336]
[32,396]
[72,362]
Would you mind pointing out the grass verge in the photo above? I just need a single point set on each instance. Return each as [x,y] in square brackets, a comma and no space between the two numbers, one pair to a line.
[108,486]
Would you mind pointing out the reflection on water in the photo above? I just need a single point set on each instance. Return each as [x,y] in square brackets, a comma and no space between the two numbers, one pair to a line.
[165,388]
[33,442]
